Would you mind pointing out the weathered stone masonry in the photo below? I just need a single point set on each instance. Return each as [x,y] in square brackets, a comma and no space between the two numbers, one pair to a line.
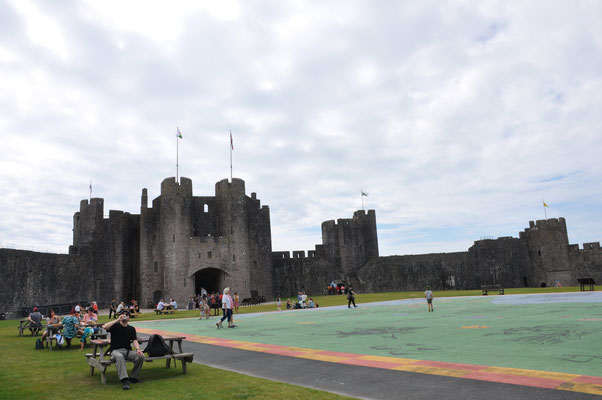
[184,242]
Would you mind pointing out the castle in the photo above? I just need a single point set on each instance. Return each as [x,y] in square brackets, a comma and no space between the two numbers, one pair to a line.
[183,243]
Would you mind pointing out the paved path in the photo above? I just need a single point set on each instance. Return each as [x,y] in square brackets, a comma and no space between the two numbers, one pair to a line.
[366,382]
[537,341]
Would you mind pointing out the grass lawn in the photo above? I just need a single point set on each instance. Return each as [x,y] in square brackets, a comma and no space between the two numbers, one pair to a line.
[43,374]
[26,373]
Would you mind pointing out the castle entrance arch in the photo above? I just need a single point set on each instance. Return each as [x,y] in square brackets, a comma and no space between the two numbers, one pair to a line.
[211,279]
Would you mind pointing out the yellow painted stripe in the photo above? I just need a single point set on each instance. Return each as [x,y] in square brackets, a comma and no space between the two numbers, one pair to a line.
[320,357]
[532,373]
[432,370]
[580,387]
[388,359]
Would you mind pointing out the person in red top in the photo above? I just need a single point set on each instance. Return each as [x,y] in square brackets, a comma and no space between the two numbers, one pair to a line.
[95,307]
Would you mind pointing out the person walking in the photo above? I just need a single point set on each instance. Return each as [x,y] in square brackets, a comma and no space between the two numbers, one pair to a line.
[428,295]
[351,297]
[236,300]
[226,308]
[113,308]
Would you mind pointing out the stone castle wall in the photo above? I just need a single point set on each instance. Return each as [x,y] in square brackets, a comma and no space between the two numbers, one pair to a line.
[38,278]
[415,272]
[226,237]
[163,252]
[300,273]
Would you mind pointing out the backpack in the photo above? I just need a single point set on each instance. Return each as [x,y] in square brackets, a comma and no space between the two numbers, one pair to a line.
[156,346]
[39,344]
[60,340]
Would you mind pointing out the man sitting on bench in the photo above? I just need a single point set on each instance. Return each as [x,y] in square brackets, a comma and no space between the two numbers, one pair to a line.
[35,321]
[122,335]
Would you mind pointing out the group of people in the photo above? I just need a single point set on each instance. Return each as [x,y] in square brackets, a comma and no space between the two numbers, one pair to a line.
[115,309]
[212,301]
[303,301]
[336,289]
[76,323]
[162,304]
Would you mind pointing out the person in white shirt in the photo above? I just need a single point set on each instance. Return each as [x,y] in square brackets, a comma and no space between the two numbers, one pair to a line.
[227,309]
[173,304]
[303,298]
[161,305]
[119,309]
[428,295]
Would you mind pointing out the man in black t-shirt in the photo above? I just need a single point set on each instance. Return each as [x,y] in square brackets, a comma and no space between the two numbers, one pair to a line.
[122,335]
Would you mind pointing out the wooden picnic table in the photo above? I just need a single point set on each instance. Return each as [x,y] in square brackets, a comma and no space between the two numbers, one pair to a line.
[101,334]
[97,358]
[24,324]
[100,344]
[168,309]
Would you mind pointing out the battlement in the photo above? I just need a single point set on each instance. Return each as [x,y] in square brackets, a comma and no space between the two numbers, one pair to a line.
[362,215]
[281,254]
[225,186]
[592,246]
[115,214]
[359,216]
[95,203]
[169,187]
[546,223]
[490,239]
[296,254]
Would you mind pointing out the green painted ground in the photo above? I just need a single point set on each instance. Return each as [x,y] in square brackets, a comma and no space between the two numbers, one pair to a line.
[560,337]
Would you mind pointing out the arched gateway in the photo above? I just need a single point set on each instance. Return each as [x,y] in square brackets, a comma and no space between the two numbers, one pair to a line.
[211,279]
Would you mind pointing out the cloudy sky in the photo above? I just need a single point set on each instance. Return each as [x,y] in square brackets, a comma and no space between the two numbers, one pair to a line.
[457,117]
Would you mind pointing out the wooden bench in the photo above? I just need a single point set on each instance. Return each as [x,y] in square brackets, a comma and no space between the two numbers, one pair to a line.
[586,281]
[97,359]
[165,311]
[102,364]
[24,324]
[486,288]
[251,301]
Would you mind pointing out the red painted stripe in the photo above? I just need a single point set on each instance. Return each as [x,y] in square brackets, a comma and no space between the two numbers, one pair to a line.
[596,380]
[513,379]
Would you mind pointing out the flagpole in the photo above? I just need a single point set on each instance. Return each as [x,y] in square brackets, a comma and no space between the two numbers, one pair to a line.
[544,208]
[362,196]
[230,155]
[177,157]
[90,191]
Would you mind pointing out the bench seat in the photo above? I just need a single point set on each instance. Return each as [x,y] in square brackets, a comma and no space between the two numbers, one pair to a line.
[487,288]
[102,365]
[159,312]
